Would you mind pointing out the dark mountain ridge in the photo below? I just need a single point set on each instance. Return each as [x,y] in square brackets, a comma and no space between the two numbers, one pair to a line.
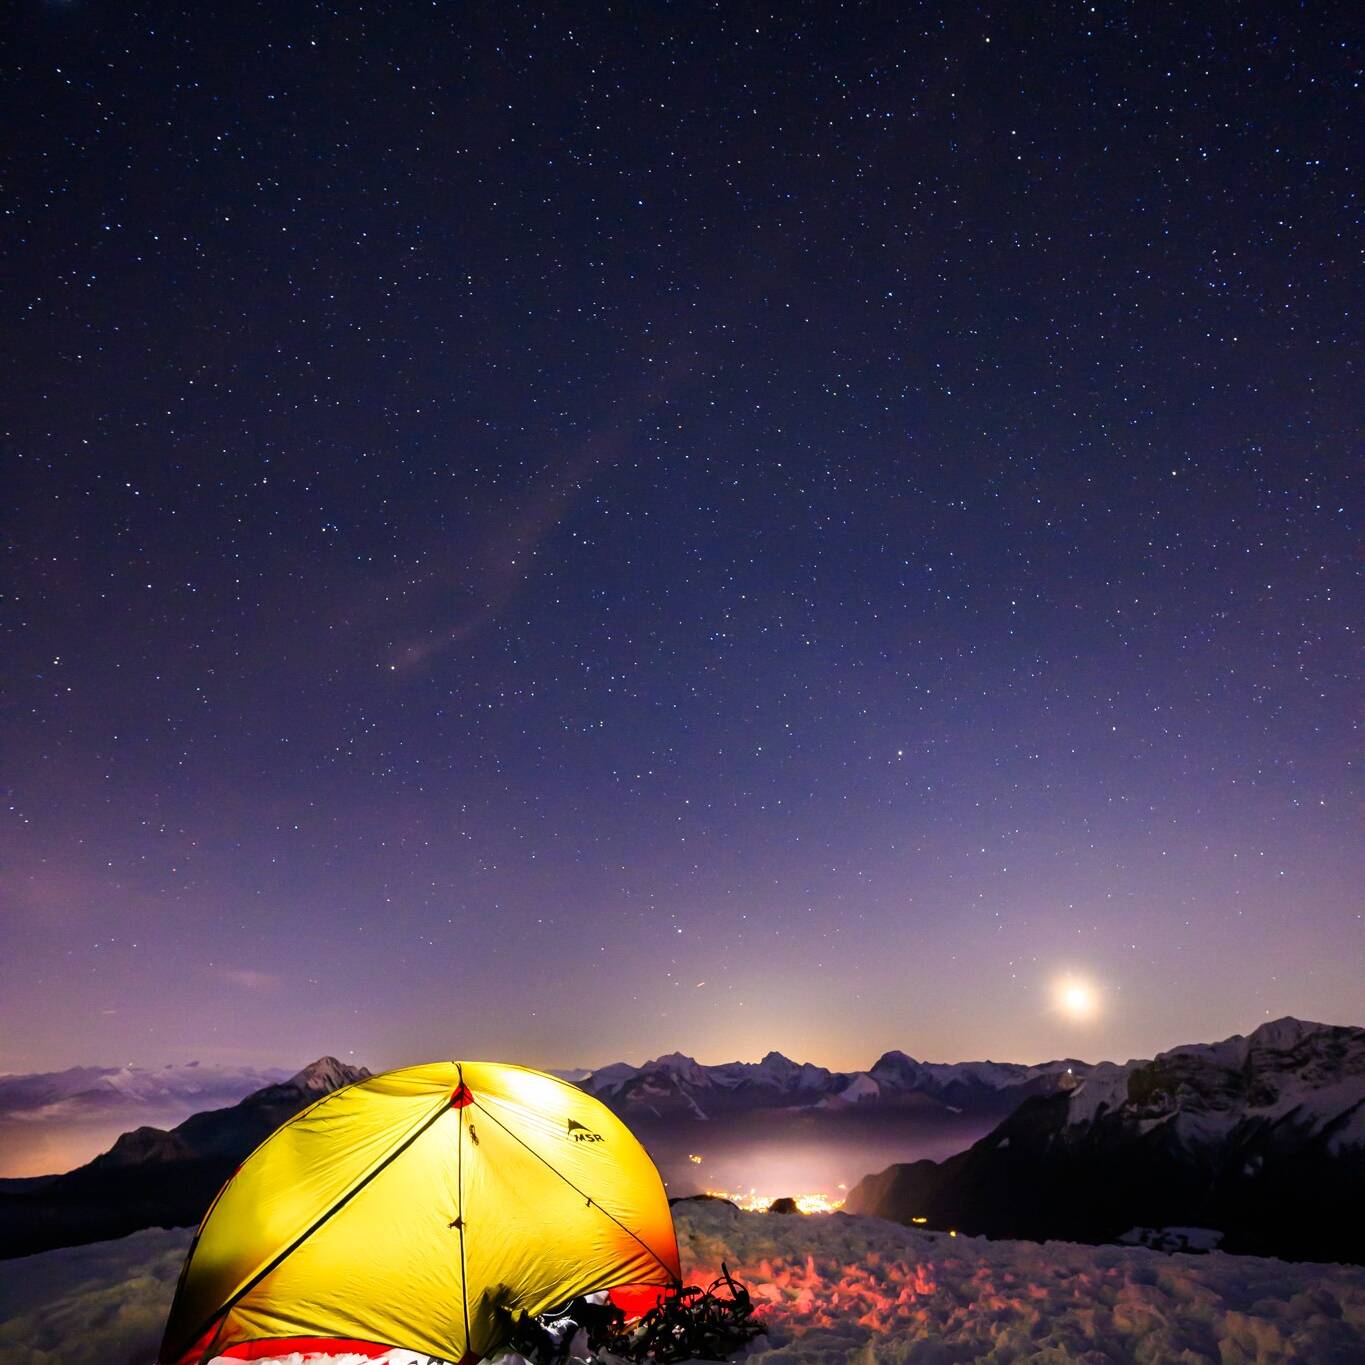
[1261,1138]
[152,1177]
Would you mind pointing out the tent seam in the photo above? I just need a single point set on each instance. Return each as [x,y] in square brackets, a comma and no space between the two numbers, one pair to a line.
[459,1213]
[672,1278]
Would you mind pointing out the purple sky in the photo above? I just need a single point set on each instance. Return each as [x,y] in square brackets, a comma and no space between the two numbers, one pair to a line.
[562,537]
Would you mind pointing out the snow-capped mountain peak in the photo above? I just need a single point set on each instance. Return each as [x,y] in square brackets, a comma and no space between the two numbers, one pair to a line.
[860,1090]
[1265,1072]
[775,1069]
[1259,1136]
[680,1065]
[160,1176]
[1290,1070]
[776,1065]
[897,1069]
[325,1075]
[678,1083]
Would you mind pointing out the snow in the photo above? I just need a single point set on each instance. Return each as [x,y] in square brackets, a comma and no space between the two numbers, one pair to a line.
[775,1071]
[1173,1238]
[892,1071]
[832,1289]
[697,1110]
[861,1087]
[1309,1076]
[1279,1035]
[103,1304]
[1105,1088]
[575,1075]
[898,1071]
[325,1075]
[839,1287]
[682,1066]
[607,1079]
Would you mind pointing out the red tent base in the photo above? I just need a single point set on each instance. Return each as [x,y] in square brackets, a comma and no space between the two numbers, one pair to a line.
[324,1346]
[635,1300]
[283,1346]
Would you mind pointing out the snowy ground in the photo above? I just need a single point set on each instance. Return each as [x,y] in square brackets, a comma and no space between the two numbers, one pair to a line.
[834,1289]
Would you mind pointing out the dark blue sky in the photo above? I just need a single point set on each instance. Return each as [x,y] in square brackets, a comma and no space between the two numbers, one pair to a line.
[515,513]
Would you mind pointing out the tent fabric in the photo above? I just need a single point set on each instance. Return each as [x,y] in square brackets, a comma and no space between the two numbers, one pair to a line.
[417,1209]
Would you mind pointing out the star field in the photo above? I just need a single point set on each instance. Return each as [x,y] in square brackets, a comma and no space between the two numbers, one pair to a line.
[560,533]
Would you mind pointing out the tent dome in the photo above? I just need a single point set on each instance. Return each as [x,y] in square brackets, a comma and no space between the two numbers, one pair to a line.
[420,1209]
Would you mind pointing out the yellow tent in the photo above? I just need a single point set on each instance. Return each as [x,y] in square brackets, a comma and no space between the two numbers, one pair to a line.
[419,1209]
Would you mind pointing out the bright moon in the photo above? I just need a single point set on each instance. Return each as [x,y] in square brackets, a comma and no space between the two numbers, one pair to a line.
[1076,999]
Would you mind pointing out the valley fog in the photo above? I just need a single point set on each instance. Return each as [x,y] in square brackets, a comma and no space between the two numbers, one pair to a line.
[792,1152]
[774,1152]
[30,1147]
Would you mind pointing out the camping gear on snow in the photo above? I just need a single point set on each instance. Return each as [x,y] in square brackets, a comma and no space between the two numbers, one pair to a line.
[691,1324]
[427,1209]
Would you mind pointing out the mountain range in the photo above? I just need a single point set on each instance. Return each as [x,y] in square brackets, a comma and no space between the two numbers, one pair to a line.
[113,1091]
[154,1177]
[55,1120]
[677,1086]
[1260,1138]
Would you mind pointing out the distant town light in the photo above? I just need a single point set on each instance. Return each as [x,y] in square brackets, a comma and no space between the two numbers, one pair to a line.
[753,1202]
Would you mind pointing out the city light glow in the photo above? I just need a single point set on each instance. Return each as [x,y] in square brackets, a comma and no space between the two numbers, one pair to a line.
[754,1202]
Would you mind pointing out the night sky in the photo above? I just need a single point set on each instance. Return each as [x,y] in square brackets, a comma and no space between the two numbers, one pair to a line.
[564,533]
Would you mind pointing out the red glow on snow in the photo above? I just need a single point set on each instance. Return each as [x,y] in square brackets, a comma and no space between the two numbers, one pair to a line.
[800,1296]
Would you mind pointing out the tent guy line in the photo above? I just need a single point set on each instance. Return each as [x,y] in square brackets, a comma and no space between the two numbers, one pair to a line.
[459,1100]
